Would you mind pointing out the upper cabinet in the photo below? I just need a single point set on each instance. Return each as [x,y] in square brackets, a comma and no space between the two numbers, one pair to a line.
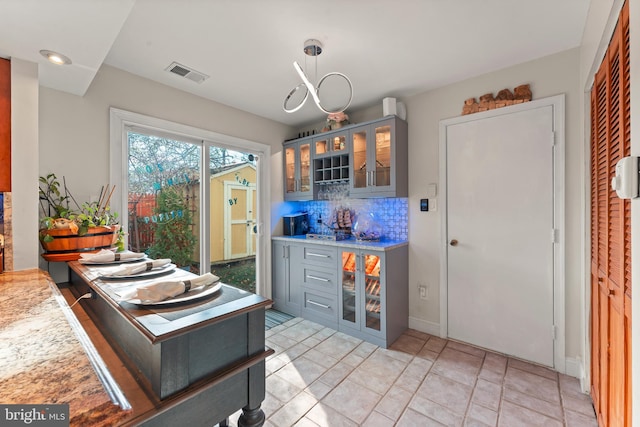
[331,143]
[379,157]
[371,157]
[5,125]
[297,170]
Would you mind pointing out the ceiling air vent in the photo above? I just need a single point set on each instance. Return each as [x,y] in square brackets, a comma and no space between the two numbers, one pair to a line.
[186,72]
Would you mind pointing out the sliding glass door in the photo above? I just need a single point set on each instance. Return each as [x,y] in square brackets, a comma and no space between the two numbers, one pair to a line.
[202,215]
[164,177]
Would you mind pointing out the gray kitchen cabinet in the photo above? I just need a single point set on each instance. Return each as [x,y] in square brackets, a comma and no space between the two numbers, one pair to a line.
[371,157]
[379,158]
[285,285]
[331,143]
[373,294]
[360,289]
[298,183]
[319,284]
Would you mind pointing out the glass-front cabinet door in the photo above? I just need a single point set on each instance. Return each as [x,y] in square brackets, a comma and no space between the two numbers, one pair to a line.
[297,166]
[372,292]
[382,156]
[348,314]
[362,291]
[359,164]
[331,143]
[373,158]
[290,183]
[305,167]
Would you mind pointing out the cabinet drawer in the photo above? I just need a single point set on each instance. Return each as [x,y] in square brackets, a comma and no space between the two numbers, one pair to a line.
[324,256]
[318,304]
[320,279]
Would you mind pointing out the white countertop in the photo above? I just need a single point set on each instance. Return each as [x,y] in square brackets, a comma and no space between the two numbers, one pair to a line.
[382,245]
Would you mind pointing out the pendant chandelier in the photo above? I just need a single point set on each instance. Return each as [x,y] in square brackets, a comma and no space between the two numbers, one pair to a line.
[313,48]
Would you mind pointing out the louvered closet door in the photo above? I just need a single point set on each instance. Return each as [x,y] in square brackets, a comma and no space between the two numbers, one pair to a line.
[610,235]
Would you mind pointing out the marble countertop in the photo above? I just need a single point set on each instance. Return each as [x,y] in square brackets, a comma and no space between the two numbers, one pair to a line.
[48,360]
[348,243]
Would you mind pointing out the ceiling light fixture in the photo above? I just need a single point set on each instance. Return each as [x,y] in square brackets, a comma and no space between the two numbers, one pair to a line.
[55,57]
[313,48]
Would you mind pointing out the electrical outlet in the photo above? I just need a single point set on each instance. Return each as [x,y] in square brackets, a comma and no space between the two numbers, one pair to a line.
[432,205]
[423,292]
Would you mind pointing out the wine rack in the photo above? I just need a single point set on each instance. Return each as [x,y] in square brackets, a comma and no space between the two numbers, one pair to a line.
[331,170]
[361,290]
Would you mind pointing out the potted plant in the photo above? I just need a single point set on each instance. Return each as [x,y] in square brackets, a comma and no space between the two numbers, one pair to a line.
[66,232]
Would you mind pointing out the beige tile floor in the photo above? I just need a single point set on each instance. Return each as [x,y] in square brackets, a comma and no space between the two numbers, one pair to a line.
[320,377]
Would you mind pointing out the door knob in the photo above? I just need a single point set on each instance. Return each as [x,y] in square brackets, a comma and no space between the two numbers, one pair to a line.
[453,242]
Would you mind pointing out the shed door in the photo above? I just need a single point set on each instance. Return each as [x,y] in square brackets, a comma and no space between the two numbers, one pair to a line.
[240,220]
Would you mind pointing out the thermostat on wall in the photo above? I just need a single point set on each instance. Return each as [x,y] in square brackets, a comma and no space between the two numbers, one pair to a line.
[424,205]
[626,180]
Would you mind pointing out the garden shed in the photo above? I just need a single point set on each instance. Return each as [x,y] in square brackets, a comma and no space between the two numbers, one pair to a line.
[233,212]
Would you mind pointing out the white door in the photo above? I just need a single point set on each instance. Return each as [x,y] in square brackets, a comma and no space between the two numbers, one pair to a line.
[500,217]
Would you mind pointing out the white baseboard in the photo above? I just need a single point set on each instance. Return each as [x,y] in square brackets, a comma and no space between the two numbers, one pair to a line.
[575,368]
[431,328]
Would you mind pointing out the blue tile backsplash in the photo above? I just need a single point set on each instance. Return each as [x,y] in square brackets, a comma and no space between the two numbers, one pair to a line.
[391,213]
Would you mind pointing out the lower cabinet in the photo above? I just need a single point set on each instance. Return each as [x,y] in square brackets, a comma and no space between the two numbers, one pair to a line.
[361,292]
[373,294]
[320,307]
[319,285]
[286,298]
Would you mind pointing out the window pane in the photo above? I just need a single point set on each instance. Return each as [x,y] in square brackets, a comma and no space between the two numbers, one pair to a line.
[163,196]
[233,217]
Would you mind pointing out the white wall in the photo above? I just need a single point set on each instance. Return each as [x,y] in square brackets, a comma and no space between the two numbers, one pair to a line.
[547,76]
[74,131]
[24,161]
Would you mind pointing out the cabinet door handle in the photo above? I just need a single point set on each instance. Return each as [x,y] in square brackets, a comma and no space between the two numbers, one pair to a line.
[322,279]
[318,304]
[374,178]
[318,255]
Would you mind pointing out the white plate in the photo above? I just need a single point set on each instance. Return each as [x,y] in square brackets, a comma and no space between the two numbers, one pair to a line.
[122,261]
[192,295]
[144,274]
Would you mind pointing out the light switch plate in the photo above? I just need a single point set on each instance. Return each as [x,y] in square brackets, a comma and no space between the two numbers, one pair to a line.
[432,190]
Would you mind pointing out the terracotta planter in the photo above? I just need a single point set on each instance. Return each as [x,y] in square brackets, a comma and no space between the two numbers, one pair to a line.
[67,246]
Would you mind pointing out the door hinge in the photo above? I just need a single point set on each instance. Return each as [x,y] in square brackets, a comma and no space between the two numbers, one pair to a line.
[554,332]
[554,235]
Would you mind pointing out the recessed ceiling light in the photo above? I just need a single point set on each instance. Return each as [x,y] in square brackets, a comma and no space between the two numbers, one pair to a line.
[55,57]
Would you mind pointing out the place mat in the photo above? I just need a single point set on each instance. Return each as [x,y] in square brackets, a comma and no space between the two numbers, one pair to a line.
[224,295]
